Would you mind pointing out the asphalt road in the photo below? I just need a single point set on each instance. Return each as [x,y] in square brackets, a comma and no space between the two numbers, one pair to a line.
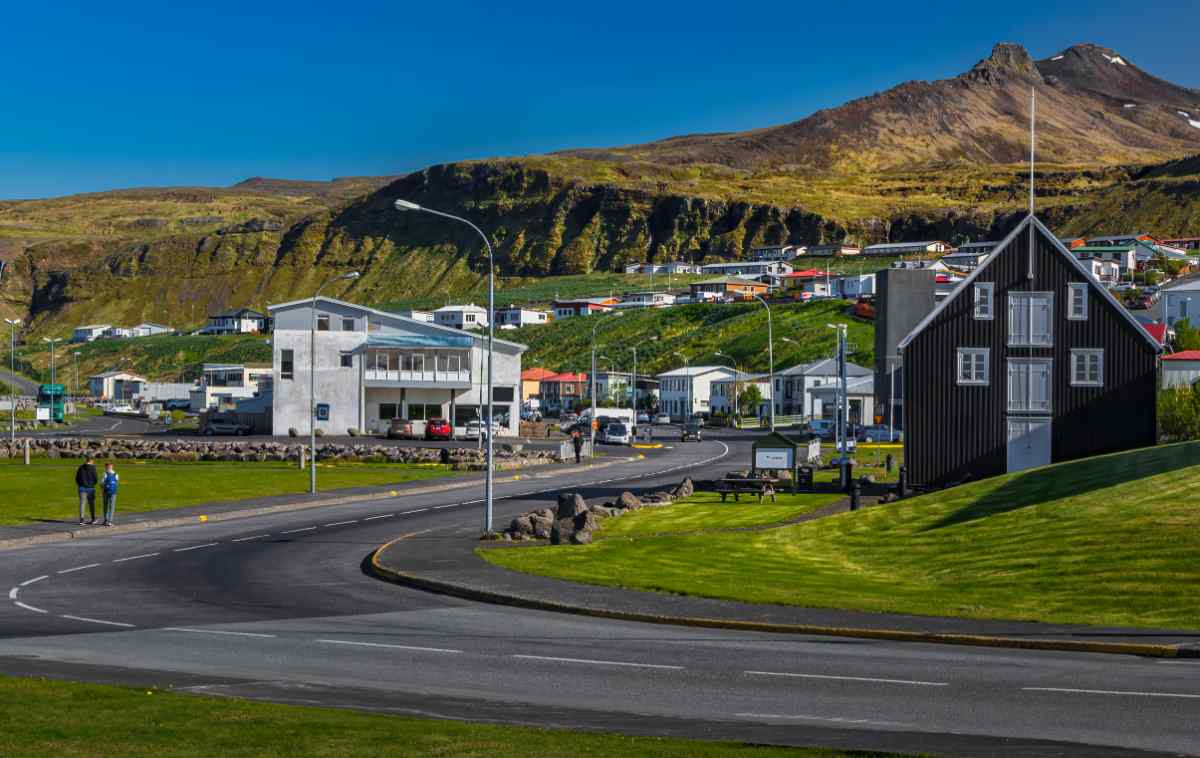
[24,386]
[279,608]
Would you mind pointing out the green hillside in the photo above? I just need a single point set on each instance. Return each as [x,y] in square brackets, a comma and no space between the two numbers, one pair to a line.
[1109,540]
[160,358]
[697,331]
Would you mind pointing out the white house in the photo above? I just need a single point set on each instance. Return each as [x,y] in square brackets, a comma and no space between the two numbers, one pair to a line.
[117,333]
[149,329]
[646,300]
[469,316]
[723,393]
[1180,299]
[796,383]
[426,316]
[115,385]
[746,268]
[373,366]
[928,247]
[686,391]
[236,321]
[517,317]
[1180,369]
[89,332]
[679,267]
[851,287]
[860,399]
[777,252]
[223,383]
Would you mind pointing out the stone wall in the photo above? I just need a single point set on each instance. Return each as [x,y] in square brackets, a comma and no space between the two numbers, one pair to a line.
[574,520]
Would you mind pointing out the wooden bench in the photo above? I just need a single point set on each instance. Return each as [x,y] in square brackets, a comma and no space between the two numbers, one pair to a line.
[737,487]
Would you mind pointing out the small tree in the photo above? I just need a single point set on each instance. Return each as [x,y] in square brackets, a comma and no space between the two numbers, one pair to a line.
[749,399]
[1186,336]
[1179,414]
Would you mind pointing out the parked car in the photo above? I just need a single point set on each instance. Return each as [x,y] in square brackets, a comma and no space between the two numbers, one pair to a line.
[215,426]
[662,418]
[531,415]
[615,433]
[691,430]
[822,427]
[476,426]
[400,429]
[643,417]
[438,429]
[878,433]
[177,404]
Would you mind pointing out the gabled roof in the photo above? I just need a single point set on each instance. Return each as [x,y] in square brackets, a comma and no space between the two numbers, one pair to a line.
[236,312]
[926,243]
[1102,292]
[113,374]
[824,367]
[730,280]
[1183,355]
[694,371]
[566,377]
[535,374]
[1157,330]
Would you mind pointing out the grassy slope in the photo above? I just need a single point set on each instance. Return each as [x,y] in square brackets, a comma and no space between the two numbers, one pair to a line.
[1109,540]
[696,331]
[158,358]
[704,511]
[46,489]
[64,720]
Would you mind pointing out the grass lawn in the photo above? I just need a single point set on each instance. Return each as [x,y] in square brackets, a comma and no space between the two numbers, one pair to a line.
[704,511]
[62,719]
[46,488]
[1108,540]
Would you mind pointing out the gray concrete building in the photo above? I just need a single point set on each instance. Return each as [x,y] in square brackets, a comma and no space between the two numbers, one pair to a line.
[903,297]
[373,366]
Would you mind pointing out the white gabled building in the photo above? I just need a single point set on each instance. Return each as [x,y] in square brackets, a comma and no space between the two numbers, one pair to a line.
[694,383]
[469,316]
[514,317]
[373,366]
[89,332]
[930,247]
[746,268]
[777,252]
[727,391]
[646,300]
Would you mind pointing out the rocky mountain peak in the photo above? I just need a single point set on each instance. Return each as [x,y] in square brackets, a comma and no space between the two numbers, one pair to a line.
[1008,61]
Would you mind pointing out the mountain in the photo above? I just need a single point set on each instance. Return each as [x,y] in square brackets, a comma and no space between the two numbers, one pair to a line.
[1093,106]
[923,160]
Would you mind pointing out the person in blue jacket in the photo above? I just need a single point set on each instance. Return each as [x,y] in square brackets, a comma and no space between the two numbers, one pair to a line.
[109,487]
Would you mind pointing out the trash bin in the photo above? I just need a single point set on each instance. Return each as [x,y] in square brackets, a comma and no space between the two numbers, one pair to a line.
[804,478]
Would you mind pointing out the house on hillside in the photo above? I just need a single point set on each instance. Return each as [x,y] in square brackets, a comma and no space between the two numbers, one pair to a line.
[746,268]
[728,288]
[928,247]
[1124,256]
[469,316]
[585,306]
[236,321]
[776,252]
[835,249]
[1109,240]
[1183,243]
[415,315]
[149,329]
[89,332]
[514,317]
[647,300]
[1029,361]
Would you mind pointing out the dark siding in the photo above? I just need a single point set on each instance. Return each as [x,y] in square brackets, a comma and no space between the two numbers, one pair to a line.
[955,432]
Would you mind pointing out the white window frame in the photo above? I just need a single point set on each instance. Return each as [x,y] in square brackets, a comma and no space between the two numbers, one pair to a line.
[984,301]
[1029,295]
[974,352]
[1077,290]
[1028,408]
[1078,354]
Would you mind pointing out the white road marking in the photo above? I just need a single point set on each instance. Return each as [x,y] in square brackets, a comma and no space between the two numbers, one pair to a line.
[28,582]
[98,621]
[372,518]
[805,717]
[195,547]
[1129,693]
[418,510]
[598,663]
[134,557]
[343,523]
[293,531]
[31,608]
[215,631]
[12,594]
[79,568]
[872,679]
[247,539]
[394,647]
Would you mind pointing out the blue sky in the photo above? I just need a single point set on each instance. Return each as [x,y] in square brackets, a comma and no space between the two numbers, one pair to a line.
[107,95]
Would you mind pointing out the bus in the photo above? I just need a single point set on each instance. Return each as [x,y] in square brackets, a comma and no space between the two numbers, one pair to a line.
[50,397]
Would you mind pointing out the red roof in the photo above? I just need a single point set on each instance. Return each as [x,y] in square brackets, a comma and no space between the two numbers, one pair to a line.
[808,273]
[567,377]
[536,374]
[1185,355]
[1157,331]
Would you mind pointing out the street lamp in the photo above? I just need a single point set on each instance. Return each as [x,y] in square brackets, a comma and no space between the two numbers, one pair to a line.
[52,342]
[75,378]
[842,402]
[770,357]
[688,373]
[13,323]
[600,320]
[312,383]
[406,206]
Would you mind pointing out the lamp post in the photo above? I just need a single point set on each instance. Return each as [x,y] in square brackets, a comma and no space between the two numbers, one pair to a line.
[52,341]
[688,373]
[312,384]
[13,323]
[75,376]
[770,358]
[841,402]
[406,206]
[600,320]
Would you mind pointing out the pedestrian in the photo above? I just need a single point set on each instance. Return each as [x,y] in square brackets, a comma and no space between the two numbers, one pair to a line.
[109,486]
[576,442]
[85,482]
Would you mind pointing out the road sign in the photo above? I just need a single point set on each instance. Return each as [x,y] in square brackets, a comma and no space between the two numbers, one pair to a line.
[774,459]
[43,413]
[322,411]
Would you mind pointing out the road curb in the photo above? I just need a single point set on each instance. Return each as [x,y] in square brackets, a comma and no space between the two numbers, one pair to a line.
[465,592]
[298,505]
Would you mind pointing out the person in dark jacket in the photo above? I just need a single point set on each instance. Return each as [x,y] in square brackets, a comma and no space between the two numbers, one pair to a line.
[109,487]
[85,482]
[576,442]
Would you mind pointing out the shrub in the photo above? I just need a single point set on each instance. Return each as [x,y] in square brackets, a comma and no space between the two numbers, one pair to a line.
[352,432]
[292,432]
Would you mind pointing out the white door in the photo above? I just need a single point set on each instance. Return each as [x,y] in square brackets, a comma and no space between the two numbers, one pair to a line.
[1028,443]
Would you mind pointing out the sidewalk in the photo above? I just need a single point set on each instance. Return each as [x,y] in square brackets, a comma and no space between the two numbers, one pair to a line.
[449,565]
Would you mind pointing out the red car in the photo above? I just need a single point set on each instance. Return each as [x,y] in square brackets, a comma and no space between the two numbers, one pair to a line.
[438,429]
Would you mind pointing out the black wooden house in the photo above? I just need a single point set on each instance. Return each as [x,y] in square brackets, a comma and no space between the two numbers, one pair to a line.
[1029,361]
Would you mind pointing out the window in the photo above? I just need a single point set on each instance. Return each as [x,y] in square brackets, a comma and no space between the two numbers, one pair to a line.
[470,318]
[347,360]
[323,322]
[983,300]
[381,361]
[973,365]
[502,394]
[347,325]
[1087,368]
[1029,319]
[424,411]
[287,363]
[465,413]
[388,411]
[1028,386]
[1077,303]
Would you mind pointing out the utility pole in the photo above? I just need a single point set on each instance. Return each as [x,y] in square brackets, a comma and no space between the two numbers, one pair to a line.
[13,323]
